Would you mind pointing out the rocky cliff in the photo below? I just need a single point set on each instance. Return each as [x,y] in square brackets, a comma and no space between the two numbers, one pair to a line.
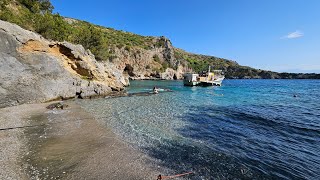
[157,62]
[33,69]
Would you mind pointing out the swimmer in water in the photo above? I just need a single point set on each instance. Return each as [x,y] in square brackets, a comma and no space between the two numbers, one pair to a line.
[155,90]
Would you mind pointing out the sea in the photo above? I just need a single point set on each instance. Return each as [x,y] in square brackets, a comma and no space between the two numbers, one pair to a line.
[244,129]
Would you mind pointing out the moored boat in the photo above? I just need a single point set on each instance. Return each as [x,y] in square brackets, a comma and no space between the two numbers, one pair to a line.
[210,78]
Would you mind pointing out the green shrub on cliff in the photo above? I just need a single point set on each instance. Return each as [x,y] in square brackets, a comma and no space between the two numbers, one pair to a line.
[3,4]
[156,58]
[37,6]
[161,42]
[53,27]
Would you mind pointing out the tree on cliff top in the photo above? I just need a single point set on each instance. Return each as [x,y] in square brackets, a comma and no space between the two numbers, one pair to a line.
[37,6]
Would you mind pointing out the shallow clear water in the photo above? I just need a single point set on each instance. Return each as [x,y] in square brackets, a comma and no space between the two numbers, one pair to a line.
[243,129]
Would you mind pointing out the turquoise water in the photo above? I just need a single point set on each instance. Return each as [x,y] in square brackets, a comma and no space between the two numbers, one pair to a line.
[245,129]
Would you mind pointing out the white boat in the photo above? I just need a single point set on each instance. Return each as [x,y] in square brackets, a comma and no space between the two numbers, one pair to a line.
[213,78]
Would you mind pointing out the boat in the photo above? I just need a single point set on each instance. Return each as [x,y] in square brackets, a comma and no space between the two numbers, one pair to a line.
[210,78]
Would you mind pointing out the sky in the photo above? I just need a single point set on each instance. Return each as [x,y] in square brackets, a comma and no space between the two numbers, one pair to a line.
[277,35]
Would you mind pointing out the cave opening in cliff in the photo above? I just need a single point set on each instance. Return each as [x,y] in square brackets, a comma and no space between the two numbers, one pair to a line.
[175,77]
[129,70]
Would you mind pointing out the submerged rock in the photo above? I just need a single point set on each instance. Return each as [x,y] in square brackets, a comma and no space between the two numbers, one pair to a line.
[33,69]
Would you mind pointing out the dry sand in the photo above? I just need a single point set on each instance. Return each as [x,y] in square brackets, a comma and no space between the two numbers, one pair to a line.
[65,144]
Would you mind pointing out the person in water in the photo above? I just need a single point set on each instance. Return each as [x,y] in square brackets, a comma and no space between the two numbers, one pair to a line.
[155,90]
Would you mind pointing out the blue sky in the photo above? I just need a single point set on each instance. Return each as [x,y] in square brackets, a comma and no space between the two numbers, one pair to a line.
[278,35]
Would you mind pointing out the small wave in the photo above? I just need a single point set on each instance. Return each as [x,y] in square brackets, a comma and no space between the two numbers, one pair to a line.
[267,120]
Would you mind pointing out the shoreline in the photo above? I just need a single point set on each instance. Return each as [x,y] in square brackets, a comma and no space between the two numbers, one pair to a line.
[65,144]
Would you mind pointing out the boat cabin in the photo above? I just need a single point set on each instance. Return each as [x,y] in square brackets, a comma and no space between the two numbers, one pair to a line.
[204,78]
[191,77]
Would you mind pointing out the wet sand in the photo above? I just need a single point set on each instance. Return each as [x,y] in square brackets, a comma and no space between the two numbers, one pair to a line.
[65,144]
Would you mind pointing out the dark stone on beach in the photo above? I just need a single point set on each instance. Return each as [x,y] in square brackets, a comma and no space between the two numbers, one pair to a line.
[57,106]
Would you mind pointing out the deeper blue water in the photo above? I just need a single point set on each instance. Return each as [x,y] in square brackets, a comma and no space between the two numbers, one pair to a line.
[245,129]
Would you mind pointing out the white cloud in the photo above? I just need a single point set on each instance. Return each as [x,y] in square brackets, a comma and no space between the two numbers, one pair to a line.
[293,35]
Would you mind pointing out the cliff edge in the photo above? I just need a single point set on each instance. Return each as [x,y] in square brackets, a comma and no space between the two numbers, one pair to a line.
[33,69]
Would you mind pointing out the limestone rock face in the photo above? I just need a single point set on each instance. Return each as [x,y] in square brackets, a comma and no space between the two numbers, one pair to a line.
[139,63]
[171,74]
[33,69]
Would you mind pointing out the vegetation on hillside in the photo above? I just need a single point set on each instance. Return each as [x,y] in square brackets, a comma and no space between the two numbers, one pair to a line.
[201,62]
[37,16]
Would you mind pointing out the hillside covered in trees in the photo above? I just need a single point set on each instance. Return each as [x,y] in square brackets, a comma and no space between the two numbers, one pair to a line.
[112,45]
